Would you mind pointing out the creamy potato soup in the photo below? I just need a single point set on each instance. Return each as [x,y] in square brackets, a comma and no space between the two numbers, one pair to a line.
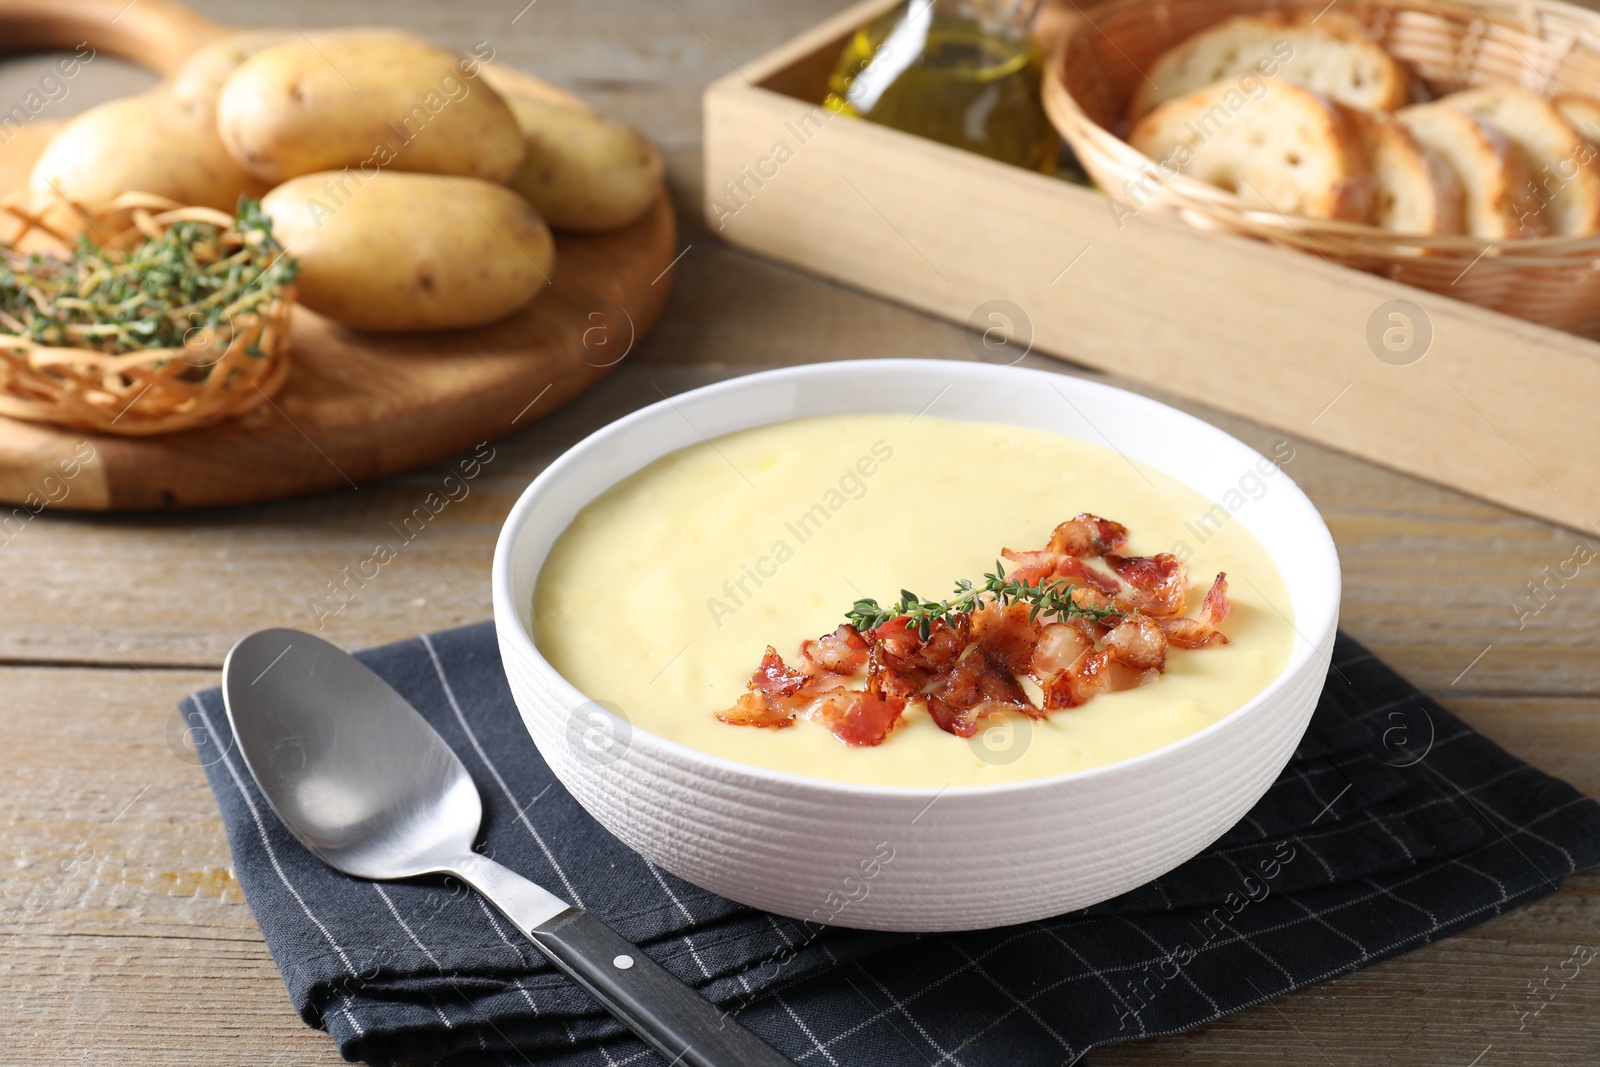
[662,596]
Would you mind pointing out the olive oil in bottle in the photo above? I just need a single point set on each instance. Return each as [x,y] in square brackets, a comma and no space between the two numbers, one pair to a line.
[962,72]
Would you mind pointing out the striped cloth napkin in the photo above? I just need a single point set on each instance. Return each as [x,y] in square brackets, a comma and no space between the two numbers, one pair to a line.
[1394,825]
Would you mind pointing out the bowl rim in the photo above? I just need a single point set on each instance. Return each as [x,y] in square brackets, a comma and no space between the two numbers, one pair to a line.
[508,626]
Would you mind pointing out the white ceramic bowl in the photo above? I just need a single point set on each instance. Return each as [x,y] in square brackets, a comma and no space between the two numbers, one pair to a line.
[962,858]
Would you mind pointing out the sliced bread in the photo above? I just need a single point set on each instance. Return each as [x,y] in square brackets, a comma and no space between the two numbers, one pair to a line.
[1289,150]
[1496,201]
[1330,54]
[1417,192]
[1560,162]
[1583,112]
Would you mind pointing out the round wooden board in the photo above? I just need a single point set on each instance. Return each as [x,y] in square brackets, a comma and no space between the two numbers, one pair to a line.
[356,406]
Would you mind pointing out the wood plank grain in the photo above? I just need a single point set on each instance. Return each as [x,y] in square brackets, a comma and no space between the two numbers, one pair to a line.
[146,955]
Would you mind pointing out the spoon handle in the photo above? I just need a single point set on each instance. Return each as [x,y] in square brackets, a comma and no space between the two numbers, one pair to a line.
[669,1016]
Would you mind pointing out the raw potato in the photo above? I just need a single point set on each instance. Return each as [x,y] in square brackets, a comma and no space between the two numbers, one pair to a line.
[367,100]
[202,74]
[583,171]
[151,143]
[399,252]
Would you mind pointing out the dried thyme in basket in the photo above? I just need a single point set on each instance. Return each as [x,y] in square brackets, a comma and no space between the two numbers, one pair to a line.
[196,276]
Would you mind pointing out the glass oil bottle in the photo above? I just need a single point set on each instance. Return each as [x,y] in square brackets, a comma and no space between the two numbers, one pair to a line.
[962,72]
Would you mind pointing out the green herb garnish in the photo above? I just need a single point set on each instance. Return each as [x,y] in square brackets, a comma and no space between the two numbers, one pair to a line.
[1045,597]
[197,276]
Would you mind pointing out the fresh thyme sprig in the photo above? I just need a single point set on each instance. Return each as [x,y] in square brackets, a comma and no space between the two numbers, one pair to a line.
[196,277]
[1045,597]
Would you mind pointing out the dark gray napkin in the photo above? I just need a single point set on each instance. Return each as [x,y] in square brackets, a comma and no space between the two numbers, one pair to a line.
[1394,825]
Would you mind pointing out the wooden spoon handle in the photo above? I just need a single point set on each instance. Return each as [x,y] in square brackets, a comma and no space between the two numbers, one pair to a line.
[159,34]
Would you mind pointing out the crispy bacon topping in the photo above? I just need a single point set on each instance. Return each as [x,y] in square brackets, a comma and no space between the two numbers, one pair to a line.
[1074,569]
[1087,536]
[842,652]
[1138,642]
[775,677]
[865,720]
[1202,632]
[756,709]
[1158,583]
[1030,567]
[1074,629]
[1007,630]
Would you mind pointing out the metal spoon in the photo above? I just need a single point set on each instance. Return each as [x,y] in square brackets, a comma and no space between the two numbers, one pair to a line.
[372,790]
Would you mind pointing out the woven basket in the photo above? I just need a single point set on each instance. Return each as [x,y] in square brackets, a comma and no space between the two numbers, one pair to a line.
[216,375]
[1542,45]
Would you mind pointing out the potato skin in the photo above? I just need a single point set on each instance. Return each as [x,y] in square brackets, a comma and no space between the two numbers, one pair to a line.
[366,96]
[202,74]
[583,170]
[395,252]
[151,143]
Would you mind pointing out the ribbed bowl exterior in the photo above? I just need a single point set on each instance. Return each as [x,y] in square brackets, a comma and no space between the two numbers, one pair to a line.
[885,858]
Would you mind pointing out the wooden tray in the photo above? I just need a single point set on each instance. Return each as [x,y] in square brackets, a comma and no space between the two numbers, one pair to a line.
[356,406]
[1491,405]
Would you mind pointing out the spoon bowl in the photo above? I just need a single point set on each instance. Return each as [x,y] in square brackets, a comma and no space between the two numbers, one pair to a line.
[347,764]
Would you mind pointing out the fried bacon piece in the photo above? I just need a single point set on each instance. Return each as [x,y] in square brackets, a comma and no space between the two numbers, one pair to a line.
[756,709]
[1007,629]
[775,677]
[764,702]
[1060,645]
[863,719]
[967,666]
[776,694]
[1030,567]
[893,667]
[1158,584]
[1045,565]
[842,652]
[977,685]
[1094,673]
[1139,642]
[1202,632]
[1087,536]
[1073,570]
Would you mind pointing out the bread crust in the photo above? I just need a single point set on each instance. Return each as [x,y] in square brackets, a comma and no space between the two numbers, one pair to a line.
[1561,173]
[1331,54]
[1496,200]
[1416,191]
[1583,112]
[1288,149]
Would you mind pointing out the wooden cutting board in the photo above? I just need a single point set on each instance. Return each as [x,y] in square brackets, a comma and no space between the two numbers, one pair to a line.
[356,406]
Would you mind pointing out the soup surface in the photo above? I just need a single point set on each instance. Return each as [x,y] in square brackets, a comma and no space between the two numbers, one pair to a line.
[662,595]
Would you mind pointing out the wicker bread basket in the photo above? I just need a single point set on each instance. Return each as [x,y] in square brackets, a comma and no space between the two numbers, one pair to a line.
[216,374]
[1541,45]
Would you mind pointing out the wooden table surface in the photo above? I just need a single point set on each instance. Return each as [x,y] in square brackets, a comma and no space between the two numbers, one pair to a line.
[123,937]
